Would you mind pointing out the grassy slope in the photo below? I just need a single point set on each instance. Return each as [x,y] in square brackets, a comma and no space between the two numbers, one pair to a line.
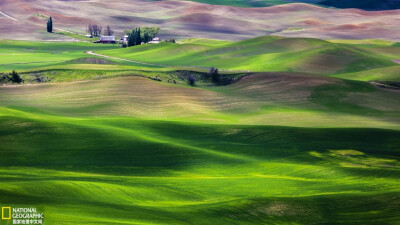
[359,60]
[22,55]
[273,148]
[137,151]
[269,54]
[385,74]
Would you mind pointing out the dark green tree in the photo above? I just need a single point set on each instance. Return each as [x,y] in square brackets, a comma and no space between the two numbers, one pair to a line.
[50,25]
[146,38]
[151,32]
[191,80]
[15,78]
[138,37]
[215,77]
[132,38]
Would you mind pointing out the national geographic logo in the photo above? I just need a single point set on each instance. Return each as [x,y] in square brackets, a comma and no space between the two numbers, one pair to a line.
[21,215]
[6,213]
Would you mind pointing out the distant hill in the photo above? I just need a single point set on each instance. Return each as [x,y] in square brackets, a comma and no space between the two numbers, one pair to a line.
[254,3]
[364,4]
[188,19]
[360,4]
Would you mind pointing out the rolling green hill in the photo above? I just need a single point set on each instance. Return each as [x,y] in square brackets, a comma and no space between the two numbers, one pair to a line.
[385,74]
[270,149]
[20,55]
[356,60]
[100,143]
[269,53]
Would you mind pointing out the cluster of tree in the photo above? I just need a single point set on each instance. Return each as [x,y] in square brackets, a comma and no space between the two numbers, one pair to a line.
[134,37]
[108,31]
[215,76]
[94,29]
[12,77]
[148,33]
[141,34]
[50,25]
[172,40]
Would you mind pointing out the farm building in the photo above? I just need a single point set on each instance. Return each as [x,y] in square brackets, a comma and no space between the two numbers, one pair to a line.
[107,39]
[125,39]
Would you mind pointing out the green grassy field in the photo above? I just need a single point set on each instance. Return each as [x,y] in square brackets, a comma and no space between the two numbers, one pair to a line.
[289,146]
[23,55]
[271,53]
[363,60]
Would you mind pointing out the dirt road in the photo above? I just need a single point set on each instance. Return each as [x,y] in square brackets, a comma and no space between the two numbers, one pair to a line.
[127,60]
[8,16]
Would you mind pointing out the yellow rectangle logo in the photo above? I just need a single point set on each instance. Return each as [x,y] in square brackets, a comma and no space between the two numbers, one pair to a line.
[4,216]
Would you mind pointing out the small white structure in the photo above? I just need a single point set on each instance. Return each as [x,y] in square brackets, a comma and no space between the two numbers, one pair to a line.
[155,40]
[125,39]
[88,36]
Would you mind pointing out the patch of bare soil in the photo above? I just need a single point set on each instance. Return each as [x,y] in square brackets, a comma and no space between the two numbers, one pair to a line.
[92,61]
[285,88]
